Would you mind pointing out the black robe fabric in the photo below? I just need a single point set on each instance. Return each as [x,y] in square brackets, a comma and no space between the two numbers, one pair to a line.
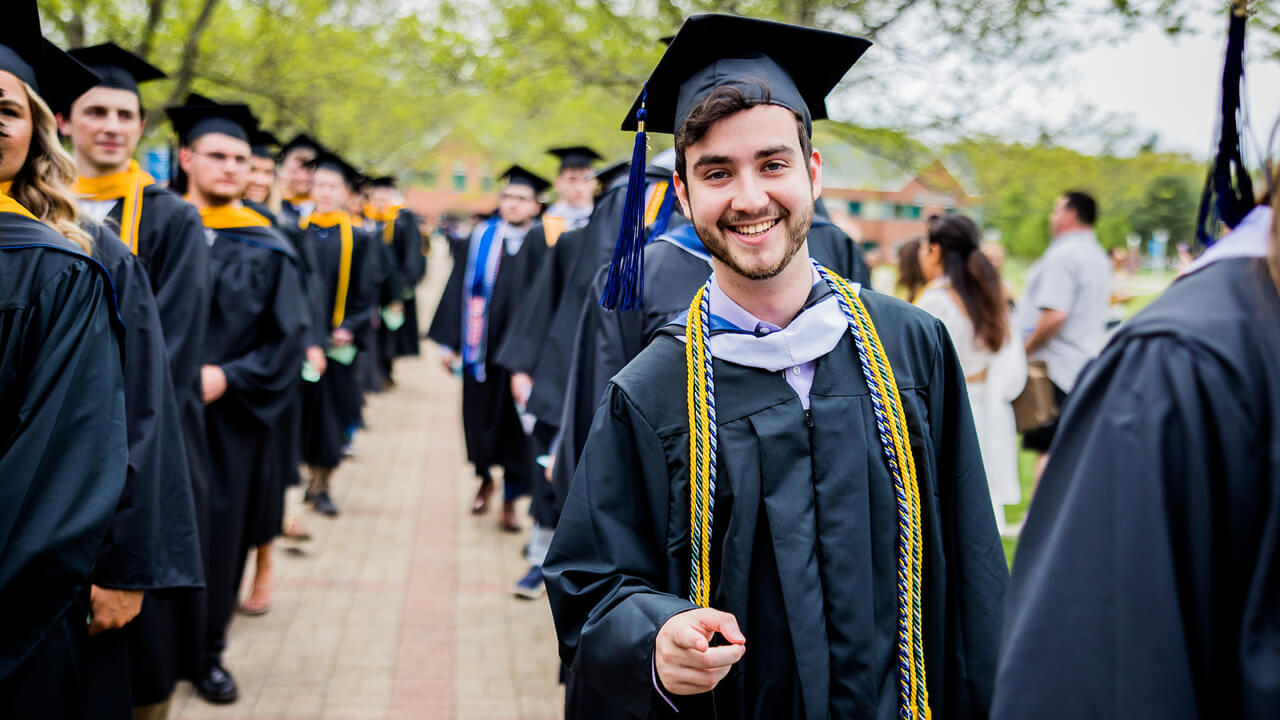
[605,340]
[64,457]
[1147,579]
[411,267]
[335,403]
[256,328]
[490,422]
[154,540]
[804,549]
[173,251]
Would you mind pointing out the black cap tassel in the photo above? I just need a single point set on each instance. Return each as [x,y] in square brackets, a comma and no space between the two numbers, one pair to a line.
[624,288]
[1228,189]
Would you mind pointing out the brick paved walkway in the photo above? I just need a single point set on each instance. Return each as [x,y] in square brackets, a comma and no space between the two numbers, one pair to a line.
[401,607]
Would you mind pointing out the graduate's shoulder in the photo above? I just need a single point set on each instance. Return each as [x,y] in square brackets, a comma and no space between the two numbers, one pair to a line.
[913,339]
[168,205]
[261,239]
[1224,313]
[655,381]
[34,256]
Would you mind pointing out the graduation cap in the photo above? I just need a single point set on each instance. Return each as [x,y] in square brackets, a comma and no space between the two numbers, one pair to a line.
[607,176]
[56,76]
[117,67]
[327,160]
[200,116]
[261,143]
[578,156]
[383,181]
[300,141]
[517,175]
[773,63]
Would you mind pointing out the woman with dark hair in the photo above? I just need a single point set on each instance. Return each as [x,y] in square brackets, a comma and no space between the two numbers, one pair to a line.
[910,277]
[964,290]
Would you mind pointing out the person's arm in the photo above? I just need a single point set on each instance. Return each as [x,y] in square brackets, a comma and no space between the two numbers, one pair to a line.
[1048,324]
[261,375]
[606,565]
[179,273]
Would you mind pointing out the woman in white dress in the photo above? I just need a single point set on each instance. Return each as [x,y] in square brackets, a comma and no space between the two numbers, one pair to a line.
[965,292]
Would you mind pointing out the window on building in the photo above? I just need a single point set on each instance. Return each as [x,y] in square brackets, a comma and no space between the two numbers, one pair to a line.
[855,208]
[430,177]
[907,212]
[460,177]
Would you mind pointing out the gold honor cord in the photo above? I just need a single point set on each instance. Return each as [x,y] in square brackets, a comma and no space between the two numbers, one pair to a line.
[343,221]
[126,186]
[892,428]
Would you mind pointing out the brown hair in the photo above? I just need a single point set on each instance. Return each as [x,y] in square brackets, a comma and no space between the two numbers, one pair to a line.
[973,277]
[910,275]
[43,185]
[724,101]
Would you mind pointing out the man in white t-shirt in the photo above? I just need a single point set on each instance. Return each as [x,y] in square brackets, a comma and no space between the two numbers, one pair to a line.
[1063,313]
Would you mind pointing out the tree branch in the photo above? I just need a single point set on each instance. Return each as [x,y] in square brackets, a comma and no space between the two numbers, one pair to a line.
[189,51]
[155,11]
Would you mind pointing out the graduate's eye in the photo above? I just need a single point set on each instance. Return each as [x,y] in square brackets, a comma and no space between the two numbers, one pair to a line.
[715,175]
[774,166]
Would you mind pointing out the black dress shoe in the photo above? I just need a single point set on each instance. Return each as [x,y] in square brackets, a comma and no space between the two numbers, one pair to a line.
[323,504]
[217,686]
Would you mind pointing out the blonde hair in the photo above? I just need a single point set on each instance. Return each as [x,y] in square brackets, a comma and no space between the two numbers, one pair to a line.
[43,185]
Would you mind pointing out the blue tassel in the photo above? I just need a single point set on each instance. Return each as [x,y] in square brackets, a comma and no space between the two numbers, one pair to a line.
[1228,190]
[624,288]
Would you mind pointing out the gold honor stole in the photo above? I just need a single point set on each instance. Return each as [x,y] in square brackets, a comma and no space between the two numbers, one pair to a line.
[126,186]
[387,218]
[343,221]
[228,216]
[9,205]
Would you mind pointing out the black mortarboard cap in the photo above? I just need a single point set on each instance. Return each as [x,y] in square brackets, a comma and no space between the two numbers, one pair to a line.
[383,181]
[261,143]
[517,175]
[56,76]
[327,160]
[578,156]
[301,140]
[200,116]
[799,65]
[117,67]
[609,175]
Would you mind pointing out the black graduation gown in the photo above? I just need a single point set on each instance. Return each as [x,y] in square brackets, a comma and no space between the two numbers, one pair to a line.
[1147,578]
[406,251]
[490,422]
[153,543]
[173,251]
[256,328]
[390,284]
[64,457]
[805,535]
[606,341]
[334,403]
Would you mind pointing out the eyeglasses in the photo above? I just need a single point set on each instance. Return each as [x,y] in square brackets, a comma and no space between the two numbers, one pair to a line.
[223,158]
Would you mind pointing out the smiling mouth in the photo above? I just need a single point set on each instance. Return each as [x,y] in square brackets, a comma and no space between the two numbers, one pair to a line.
[756,229]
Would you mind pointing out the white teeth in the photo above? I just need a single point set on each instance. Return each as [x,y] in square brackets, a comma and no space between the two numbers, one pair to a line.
[755,229]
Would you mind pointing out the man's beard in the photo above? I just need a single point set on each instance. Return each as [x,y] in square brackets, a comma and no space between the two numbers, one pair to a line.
[715,239]
[215,197]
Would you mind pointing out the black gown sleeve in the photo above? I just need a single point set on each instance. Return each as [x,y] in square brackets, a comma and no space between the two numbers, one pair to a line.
[1145,585]
[446,324]
[408,242]
[975,576]
[64,457]
[606,559]
[153,541]
[522,345]
[262,375]
[179,272]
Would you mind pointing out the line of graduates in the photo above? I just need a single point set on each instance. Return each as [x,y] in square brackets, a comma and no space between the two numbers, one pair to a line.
[162,347]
